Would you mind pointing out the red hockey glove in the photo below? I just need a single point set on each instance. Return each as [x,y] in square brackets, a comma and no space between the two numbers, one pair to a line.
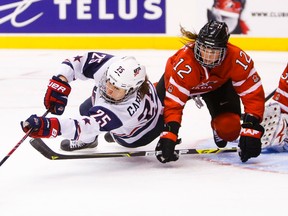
[56,96]
[42,127]
[250,138]
[168,141]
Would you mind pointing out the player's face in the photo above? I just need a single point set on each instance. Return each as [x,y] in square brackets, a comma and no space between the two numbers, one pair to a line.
[209,55]
[114,92]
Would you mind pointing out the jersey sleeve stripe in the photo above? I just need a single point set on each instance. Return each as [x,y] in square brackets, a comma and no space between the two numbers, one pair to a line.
[180,88]
[252,71]
[174,98]
[252,89]
[239,83]
[280,91]
[235,84]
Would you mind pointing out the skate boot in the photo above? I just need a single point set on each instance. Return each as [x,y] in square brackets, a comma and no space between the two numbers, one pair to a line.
[218,141]
[108,137]
[71,145]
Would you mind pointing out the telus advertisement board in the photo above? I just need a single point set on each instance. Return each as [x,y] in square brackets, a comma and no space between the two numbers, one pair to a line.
[82,16]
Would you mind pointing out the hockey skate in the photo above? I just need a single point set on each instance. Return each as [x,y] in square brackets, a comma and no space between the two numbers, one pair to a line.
[218,141]
[108,137]
[72,145]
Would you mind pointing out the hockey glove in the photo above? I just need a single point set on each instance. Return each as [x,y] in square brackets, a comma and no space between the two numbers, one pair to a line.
[168,141]
[56,96]
[42,127]
[250,138]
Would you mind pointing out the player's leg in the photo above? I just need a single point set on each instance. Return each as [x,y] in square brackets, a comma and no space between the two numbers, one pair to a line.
[225,110]
[71,145]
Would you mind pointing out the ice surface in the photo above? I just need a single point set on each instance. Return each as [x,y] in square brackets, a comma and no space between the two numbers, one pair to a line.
[194,185]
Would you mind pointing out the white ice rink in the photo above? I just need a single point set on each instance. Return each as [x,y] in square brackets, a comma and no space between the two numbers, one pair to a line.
[33,185]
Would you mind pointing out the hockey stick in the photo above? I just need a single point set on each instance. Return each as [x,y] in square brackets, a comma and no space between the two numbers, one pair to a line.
[40,146]
[20,142]
[270,95]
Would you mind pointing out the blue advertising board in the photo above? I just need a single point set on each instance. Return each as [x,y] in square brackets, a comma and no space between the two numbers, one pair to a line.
[82,16]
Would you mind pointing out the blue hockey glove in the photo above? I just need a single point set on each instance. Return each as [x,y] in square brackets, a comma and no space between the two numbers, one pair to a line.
[42,127]
[56,96]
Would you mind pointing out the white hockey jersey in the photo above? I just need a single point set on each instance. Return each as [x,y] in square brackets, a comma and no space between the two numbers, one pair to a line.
[127,121]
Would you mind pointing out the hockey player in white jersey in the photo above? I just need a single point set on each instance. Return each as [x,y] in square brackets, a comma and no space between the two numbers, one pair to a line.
[124,104]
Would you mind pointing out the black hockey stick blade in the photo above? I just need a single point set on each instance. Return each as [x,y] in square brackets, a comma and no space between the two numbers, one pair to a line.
[40,146]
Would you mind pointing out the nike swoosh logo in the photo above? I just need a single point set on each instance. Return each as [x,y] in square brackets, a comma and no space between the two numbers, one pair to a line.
[222,103]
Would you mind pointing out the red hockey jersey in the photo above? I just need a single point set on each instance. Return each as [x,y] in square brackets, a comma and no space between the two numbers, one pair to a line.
[185,77]
[281,94]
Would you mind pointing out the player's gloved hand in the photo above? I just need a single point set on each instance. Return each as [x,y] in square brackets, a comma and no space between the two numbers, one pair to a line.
[168,141]
[250,138]
[167,147]
[56,96]
[42,127]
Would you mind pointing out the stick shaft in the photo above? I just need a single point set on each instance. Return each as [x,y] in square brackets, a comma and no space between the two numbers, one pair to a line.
[19,143]
[40,146]
[270,95]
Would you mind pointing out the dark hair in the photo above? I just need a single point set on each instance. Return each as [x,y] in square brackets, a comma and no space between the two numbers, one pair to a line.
[144,88]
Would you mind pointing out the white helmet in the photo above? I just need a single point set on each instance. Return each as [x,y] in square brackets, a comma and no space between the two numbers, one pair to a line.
[126,73]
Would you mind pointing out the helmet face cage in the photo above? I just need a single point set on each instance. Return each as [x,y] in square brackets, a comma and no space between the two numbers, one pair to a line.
[209,56]
[125,74]
[103,88]
[211,44]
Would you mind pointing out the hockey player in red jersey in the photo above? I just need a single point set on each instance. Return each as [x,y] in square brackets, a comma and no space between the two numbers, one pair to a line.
[275,118]
[222,74]
[281,93]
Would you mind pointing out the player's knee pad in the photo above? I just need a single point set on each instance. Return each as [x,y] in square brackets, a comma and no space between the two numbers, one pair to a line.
[227,126]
